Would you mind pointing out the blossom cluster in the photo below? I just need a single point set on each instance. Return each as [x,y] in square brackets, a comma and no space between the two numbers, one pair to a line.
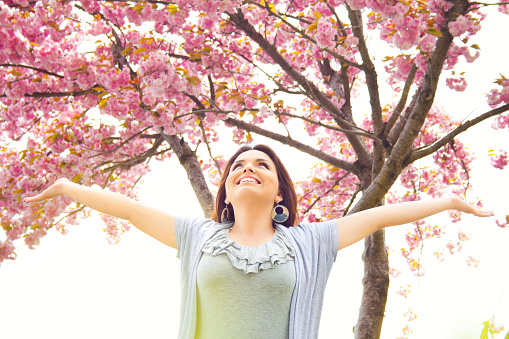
[500,96]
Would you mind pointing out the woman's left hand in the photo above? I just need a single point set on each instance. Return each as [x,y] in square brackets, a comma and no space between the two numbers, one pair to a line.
[463,206]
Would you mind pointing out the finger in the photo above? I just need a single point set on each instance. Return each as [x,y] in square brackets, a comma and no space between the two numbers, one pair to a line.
[33,199]
[484,213]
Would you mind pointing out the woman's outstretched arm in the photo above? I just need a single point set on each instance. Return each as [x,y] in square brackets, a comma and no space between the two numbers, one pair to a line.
[356,226]
[156,223]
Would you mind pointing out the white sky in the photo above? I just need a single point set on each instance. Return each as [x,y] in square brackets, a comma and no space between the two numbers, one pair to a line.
[78,286]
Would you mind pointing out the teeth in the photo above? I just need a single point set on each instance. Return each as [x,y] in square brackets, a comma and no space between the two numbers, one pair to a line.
[248,180]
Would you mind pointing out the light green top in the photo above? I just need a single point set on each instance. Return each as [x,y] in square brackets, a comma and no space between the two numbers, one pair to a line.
[233,303]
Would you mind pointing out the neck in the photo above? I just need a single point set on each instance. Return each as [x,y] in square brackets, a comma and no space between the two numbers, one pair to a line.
[253,224]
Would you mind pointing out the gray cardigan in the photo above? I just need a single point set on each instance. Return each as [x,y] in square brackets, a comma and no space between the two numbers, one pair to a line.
[315,245]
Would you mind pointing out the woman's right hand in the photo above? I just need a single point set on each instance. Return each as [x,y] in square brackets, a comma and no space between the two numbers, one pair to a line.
[51,192]
[156,223]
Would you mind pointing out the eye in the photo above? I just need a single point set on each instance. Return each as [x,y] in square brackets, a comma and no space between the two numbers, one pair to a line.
[264,165]
[236,166]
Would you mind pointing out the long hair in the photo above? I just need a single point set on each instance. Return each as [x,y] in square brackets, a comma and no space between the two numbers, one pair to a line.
[286,187]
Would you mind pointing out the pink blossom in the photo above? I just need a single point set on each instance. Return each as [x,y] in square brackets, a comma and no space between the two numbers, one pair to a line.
[16,232]
[501,122]
[500,161]
[33,239]
[451,247]
[325,33]
[497,96]
[351,40]
[6,251]
[427,43]
[503,223]
[394,272]
[503,8]
[437,6]
[460,25]
[471,261]
[457,84]
[403,291]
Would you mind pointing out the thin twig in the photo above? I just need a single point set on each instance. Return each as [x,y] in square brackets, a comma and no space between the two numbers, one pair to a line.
[325,194]
[34,69]
[352,199]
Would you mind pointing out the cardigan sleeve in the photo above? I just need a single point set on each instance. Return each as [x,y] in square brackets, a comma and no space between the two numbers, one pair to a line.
[182,225]
[326,233]
[190,232]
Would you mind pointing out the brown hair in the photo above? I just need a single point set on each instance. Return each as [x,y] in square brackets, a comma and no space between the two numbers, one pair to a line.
[286,187]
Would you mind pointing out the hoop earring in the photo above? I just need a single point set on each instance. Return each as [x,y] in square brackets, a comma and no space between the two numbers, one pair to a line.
[280,213]
[225,215]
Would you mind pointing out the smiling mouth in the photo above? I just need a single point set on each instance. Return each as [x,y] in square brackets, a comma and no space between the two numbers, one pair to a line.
[248,180]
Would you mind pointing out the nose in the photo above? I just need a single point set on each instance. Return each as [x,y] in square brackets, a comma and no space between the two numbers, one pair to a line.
[249,167]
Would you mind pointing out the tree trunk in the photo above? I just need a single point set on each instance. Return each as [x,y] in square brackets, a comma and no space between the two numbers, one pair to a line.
[376,285]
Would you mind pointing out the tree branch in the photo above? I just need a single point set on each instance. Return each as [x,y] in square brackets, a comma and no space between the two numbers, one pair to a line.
[361,132]
[432,148]
[188,160]
[54,95]
[485,4]
[402,102]
[131,162]
[121,144]
[34,69]
[369,71]
[325,194]
[347,166]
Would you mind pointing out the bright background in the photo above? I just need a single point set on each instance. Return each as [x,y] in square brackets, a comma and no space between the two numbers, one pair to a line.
[78,286]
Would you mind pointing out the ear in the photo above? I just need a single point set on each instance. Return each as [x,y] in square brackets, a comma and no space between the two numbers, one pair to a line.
[279,198]
[226,201]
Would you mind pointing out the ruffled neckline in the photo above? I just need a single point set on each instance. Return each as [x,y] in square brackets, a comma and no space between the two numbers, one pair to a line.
[251,259]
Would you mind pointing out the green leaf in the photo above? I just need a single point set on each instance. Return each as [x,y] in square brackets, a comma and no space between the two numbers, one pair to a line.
[6,226]
[103,102]
[486,328]
[312,27]
[173,9]
[126,51]
[434,31]
[77,178]
[139,50]
[193,80]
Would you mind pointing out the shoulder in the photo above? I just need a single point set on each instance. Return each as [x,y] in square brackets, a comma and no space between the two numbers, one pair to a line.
[191,232]
[323,229]
[187,221]
[186,224]
[315,241]
[195,228]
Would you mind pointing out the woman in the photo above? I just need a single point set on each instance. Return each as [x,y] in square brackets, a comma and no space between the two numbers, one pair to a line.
[253,271]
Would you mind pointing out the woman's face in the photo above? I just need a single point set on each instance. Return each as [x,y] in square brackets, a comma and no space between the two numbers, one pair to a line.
[253,175]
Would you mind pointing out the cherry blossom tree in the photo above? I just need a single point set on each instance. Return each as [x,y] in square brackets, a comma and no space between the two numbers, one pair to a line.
[94,90]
